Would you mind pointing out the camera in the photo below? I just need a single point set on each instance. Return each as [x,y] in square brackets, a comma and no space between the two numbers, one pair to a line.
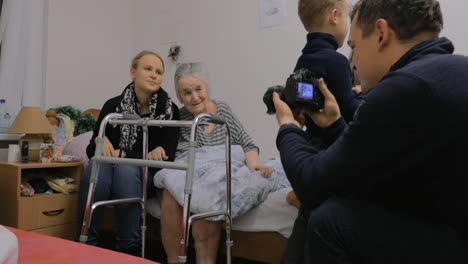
[301,91]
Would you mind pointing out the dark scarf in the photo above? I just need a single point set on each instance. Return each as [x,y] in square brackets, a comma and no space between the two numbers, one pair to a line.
[160,108]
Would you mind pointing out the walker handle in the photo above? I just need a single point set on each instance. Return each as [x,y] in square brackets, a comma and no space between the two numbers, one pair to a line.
[130,117]
[216,119]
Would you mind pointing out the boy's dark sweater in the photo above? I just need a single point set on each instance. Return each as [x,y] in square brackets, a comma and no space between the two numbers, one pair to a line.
[406,148]
[320,56]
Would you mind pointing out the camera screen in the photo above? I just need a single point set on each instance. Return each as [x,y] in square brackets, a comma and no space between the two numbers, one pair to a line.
[305,90]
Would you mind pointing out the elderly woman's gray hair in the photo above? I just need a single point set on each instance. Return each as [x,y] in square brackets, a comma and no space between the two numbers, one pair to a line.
[195,69]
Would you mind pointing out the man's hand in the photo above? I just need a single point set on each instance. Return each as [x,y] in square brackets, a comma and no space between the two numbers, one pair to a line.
[330,112]
[284,114]
[158,154]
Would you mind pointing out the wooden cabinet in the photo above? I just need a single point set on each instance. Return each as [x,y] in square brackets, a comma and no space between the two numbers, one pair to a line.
[50,214]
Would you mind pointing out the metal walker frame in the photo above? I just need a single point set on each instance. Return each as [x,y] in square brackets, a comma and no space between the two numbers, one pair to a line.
[121,119]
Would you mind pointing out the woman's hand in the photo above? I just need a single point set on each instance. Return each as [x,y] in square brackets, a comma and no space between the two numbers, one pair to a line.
[158,154]
[253,163]
[108,149]
[265,170]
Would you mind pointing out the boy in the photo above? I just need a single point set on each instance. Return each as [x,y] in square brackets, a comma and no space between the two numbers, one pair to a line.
[326,22]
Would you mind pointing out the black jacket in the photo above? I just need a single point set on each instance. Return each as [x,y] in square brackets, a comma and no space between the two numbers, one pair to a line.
[406,148]
[166,137]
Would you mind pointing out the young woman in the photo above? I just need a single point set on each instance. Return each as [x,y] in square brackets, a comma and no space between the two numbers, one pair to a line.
[144,97]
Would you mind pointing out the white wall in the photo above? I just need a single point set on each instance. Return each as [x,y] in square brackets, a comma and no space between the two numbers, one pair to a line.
[90,45]
[92,42]
[242,59]
[454,13]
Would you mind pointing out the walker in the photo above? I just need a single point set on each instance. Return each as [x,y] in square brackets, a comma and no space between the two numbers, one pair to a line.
[129,119]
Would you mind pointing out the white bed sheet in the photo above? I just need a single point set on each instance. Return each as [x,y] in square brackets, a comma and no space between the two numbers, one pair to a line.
[273,215]
[8,247]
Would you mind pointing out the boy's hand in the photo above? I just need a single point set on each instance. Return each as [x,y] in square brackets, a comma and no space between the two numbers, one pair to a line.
[331,111]
[292,199]
[299,116]
[357,89]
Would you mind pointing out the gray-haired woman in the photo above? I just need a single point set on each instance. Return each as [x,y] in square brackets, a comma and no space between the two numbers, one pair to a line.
[192,90]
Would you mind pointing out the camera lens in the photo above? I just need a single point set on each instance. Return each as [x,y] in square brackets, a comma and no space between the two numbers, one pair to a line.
[268,98]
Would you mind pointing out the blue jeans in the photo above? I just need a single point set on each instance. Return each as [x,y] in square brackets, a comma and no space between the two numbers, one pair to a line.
[351,231]
[115,182]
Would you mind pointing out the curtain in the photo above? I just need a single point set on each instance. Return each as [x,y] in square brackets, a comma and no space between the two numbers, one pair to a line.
[1,4]
[23,39]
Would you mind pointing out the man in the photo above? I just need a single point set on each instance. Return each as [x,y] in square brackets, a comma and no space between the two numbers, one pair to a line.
[391,186]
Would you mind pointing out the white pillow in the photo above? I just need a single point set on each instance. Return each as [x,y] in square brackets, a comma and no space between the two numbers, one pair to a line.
[77,147]
[8,247]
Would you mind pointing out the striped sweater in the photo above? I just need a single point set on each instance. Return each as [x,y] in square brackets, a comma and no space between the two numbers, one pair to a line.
[216,137]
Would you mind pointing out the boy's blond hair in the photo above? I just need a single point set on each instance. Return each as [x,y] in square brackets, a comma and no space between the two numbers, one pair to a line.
[313,12]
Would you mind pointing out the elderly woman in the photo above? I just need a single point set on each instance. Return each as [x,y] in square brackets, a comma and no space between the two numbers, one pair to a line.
[192,91]
[144,97]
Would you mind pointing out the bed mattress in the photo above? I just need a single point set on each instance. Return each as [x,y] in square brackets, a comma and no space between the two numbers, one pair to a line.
[272,215]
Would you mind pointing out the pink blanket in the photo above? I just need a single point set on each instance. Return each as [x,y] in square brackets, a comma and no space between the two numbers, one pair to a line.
[38,249]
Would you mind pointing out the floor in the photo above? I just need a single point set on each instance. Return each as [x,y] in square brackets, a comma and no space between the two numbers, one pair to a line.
[155,251]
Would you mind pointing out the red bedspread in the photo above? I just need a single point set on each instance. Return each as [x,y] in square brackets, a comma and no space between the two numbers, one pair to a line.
[37,249]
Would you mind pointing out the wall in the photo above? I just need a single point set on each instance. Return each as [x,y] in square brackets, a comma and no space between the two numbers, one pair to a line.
[89,51]
[242,59]
[454,12]
[92,42]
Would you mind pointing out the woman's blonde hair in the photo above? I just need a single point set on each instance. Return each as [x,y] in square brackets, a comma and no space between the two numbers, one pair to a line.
[143,53]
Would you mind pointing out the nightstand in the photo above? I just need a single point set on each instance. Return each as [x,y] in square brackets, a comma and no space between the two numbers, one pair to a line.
[50,214]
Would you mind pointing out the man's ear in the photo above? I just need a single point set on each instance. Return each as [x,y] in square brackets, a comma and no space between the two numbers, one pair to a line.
[383,33]
[333,16]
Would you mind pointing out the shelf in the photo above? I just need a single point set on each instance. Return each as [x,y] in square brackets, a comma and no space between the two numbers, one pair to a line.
[45,195]
[40,165]
[12,137]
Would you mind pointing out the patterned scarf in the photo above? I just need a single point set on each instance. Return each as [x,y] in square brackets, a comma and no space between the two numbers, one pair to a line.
[160,108]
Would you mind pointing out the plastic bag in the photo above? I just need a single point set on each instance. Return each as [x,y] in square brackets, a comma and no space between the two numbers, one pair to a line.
[26,188]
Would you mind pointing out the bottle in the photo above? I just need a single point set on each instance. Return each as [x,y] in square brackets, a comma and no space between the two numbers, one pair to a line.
[4,117]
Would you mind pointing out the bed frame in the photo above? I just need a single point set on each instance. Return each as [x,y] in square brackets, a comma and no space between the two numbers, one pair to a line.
[267,247]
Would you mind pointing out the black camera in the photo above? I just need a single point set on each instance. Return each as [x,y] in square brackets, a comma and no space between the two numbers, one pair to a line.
[301,91]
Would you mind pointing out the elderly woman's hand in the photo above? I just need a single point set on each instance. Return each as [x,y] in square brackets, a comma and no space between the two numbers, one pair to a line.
[158,154]
[264,170]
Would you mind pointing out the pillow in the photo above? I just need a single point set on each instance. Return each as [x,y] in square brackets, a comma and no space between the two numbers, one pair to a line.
[77,147]
[8,247]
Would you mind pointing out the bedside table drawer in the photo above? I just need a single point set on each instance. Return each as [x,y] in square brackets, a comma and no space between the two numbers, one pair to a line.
[43,210]
[65,231]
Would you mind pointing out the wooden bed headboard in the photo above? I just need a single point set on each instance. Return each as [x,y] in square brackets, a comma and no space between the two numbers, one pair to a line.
[93,111]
